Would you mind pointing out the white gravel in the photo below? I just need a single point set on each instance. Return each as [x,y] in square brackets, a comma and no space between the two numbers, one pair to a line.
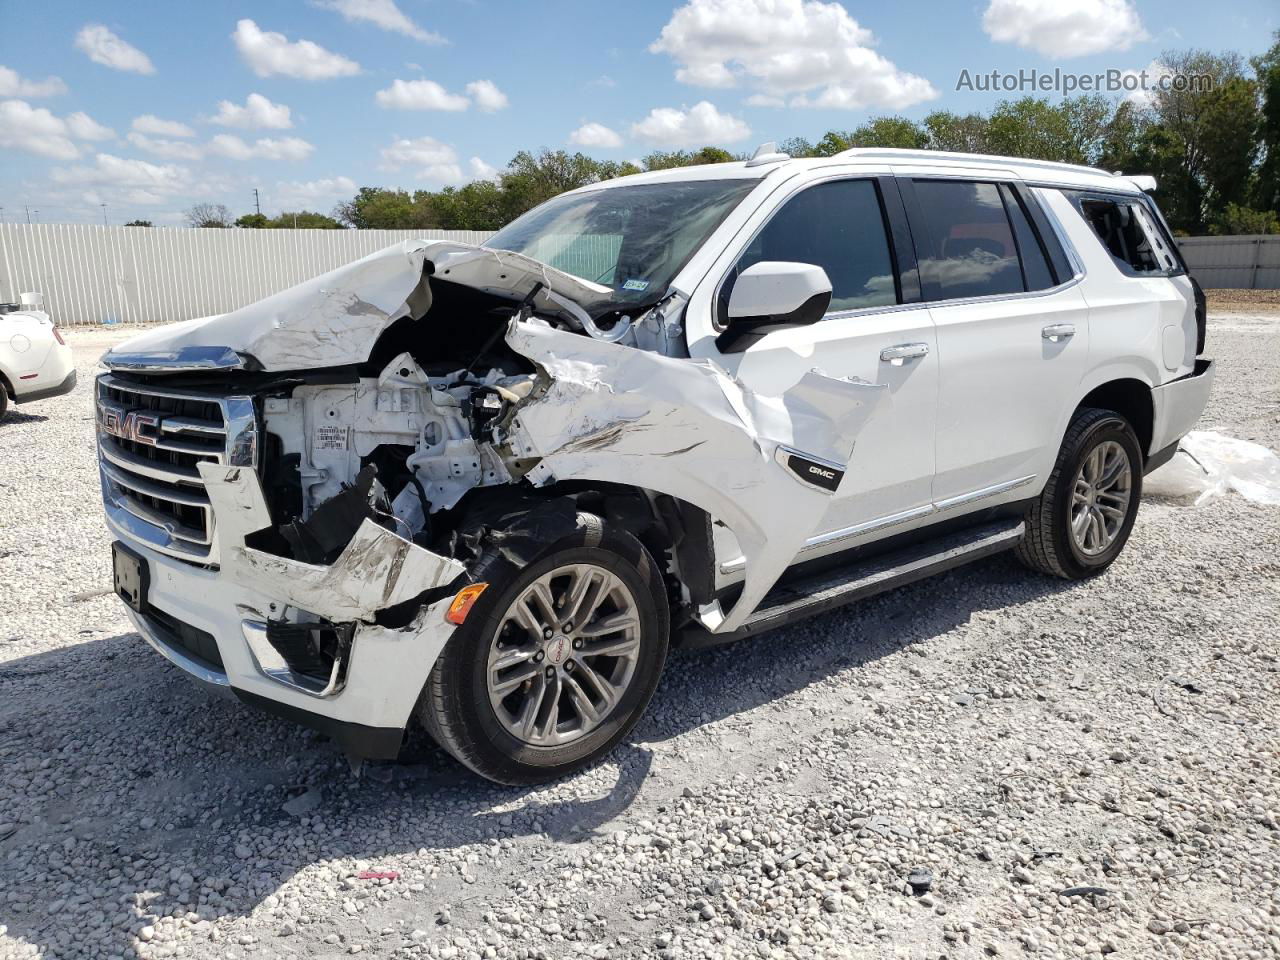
[990,763]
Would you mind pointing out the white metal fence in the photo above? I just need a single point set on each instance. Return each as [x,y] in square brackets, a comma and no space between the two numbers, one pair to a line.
[92,275]
[1245,262]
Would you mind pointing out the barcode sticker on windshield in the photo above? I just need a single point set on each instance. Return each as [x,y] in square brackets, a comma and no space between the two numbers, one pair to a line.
[636,285]
[330,438]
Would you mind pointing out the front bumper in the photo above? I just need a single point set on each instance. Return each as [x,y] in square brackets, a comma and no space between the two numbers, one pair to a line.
[366,713]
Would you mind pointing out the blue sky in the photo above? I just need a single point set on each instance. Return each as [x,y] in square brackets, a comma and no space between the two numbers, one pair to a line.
[122,103]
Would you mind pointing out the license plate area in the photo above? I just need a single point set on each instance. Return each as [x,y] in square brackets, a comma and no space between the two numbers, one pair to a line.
[130,575]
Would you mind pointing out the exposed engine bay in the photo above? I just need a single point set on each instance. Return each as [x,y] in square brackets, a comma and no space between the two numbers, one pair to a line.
[438,399]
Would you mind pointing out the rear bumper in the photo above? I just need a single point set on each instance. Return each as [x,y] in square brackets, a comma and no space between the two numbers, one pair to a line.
[66,385]
[1177,406]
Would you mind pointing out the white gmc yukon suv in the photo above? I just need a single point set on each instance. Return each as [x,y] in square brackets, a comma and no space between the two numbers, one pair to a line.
[483,489]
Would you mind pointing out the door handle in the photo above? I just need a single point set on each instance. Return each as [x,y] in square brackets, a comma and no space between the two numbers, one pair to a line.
[1058,331]
[902,352]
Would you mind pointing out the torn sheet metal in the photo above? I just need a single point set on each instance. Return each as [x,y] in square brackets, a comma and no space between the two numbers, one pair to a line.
[335,318]
[687,429]
[376,570]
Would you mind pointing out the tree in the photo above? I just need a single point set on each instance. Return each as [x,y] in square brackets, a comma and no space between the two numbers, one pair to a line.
[890,132]
[959,134]
[253,221]
[1236,219]
[1032,128]
[302,220]
[139,223]
[1266,184]
[208,215]
[659,160]
[374,208]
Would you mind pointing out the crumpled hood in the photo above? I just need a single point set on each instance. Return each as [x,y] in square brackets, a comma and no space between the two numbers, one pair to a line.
[334,319]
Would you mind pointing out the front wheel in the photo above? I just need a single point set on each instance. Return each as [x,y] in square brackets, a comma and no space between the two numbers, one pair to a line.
[557,660]
[1082,519]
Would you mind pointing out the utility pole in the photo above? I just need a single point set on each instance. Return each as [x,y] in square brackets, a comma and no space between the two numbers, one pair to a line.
[257,207]
[104,213]
[28,209]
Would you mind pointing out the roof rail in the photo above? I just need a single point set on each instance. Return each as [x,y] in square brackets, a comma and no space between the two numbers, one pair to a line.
[885,153]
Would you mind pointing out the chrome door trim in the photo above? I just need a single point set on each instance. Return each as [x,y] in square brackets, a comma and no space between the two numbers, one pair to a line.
[915,513]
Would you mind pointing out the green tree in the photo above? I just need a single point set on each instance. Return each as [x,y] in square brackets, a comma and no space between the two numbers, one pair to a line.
[959,134]
[896,133]
[1236,219]
[1032,128]
[374,208]
[1266,68]
[253,221]
[139,223]
[303,220]
[660,160]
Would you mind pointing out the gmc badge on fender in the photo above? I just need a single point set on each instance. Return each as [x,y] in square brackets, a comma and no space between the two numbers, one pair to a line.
[820,475]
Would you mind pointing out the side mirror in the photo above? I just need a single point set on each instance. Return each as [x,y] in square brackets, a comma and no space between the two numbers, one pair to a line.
[772,295]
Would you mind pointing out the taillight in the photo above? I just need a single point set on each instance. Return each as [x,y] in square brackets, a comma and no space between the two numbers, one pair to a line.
[1202,317]
[57,335]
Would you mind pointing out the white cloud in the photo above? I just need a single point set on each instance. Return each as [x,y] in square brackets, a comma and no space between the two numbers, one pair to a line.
[268,53]
[106,48]
[1142,95]
[483,171]
[232,147]
[163,147]
[312,194]
[420,95]
[13,85]
[150,123]
[381,13]
[1056,29]
[595,135]
[34,130]
[426,158]
[84,127]
[136,181]
[258,113]
[699,125]
[764,100]
[487,96]
[808,50]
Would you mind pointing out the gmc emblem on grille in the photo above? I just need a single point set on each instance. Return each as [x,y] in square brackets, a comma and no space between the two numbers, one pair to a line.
[128,424]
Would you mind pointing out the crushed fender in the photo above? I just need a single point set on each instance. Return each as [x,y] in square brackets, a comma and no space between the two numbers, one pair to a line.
[685,428]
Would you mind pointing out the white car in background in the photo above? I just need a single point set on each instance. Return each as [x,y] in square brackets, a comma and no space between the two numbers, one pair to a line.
[35,362]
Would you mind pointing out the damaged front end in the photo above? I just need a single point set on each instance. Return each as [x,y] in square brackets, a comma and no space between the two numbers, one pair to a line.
[411,412]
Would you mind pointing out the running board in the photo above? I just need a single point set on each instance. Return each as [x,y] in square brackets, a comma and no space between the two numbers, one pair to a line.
[835,588]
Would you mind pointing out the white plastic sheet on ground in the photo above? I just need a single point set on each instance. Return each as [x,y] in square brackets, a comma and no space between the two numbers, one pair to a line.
[1210,464]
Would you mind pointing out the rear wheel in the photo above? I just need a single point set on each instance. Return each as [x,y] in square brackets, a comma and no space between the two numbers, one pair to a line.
[1082,519]
[557,660]
[4,398]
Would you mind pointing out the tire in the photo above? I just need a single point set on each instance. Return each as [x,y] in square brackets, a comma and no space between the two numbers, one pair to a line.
[4,398]
[1051,546]
[465,707]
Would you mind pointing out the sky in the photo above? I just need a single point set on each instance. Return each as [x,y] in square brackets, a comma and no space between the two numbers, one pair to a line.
[149,106]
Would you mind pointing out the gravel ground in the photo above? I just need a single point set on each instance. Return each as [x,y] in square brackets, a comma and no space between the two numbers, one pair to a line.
[989,763]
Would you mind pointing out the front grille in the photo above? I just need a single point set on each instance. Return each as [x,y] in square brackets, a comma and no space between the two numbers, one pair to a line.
[150,441]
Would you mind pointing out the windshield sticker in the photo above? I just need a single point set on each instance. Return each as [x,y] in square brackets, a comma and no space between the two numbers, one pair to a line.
[636,285]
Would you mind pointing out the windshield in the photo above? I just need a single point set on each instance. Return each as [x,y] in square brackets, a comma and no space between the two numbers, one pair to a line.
[634,239]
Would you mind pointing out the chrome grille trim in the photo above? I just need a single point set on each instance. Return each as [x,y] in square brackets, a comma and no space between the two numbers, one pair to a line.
[150,440]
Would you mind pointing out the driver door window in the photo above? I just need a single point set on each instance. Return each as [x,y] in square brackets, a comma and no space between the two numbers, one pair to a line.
[840,226]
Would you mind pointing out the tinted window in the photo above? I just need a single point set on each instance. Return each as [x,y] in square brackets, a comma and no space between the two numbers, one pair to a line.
[969,249]
[1036,273]
[840,227]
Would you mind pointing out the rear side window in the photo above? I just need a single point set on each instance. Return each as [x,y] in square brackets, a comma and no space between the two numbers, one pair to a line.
[1037,274]
[840,226]
[969,248]
[1125,228]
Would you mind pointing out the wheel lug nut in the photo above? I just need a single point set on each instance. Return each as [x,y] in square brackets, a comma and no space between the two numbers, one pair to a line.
[568,627]
[568,665]
[537,657]
[577,643]
[551,672]
[548,633]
